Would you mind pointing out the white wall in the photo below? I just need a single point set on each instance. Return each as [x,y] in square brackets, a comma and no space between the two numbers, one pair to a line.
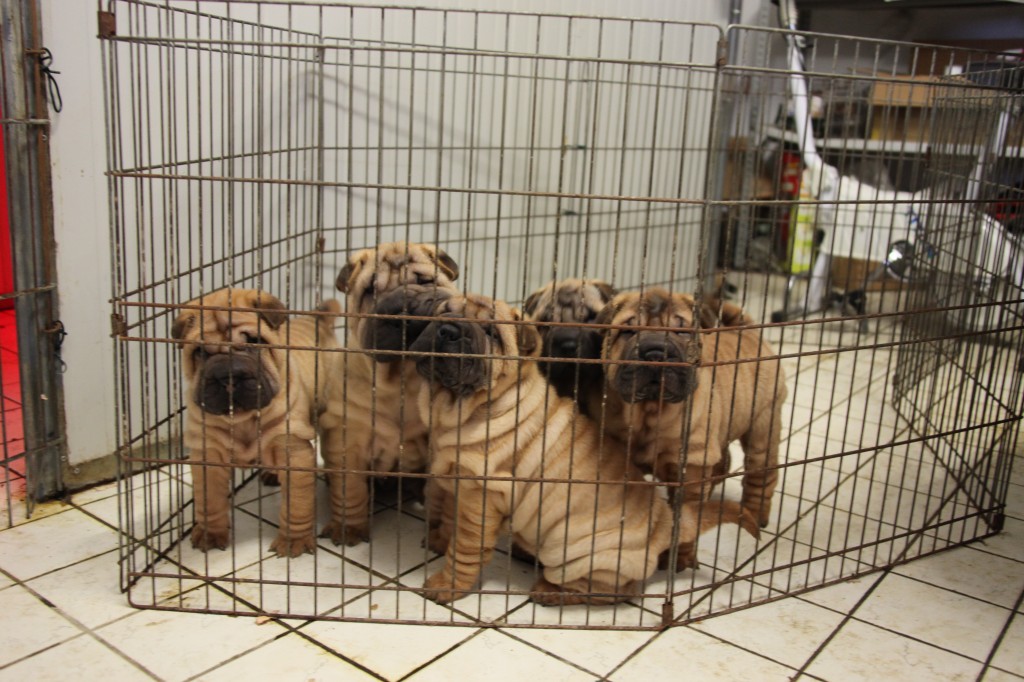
[82,229]
[81,194]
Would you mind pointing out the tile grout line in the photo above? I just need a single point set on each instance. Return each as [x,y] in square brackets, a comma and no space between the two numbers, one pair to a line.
[847,617]
[923,581]
[689,627]
[438,657]
[289,630]
[987,663]
[83,631]
[738,646]
[545,651]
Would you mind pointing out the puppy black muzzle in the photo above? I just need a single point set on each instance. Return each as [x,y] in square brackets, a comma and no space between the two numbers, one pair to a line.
[233,382]
[571,343]
[399,334]
[459,374]
[643,382]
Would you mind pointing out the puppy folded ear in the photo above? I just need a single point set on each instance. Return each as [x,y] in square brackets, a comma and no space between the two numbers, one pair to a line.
[607,290]
[733,315]
[271,310]
[343,282]
[530,307]
[606,315]
[527,337]
[707,311]
[528,340]
[182,324]
[715,312]
[447,265]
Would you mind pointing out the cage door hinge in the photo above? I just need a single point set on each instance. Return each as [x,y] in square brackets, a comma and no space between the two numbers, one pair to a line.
[107,24]
[722,58]
[117,325]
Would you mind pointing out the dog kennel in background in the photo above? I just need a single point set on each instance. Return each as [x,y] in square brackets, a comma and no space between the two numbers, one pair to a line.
[258,144]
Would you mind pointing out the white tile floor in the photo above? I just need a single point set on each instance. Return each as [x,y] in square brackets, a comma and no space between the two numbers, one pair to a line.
[955,615]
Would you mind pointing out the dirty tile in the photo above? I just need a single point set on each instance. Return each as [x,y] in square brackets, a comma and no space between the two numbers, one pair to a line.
[843,596]
[598,651]
[997,675]
[700,656]
[1009,542]
[176,646]
[787,631]
[1010,654]
[38,626]
[41,546]
[934,615]
[412,645]
[14,511]
[89,659]
[94,493]
[970,571]
[86,591]
[288,658]
[304,586]
[503,658]
[864,652]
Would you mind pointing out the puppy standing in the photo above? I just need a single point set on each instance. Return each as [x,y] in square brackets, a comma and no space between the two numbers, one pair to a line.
[253,405]
[570,300]
[494,416]
[648,405]
[371,427]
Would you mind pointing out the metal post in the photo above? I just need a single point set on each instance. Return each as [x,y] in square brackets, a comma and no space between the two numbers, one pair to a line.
[26,139]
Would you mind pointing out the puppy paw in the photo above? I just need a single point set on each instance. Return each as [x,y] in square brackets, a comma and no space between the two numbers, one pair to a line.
[269,478]
[437,539]
[687,557]
[547,593]
[752,524]
[439,588]
[284,546]
[757,512]
[350,534]
[205,539]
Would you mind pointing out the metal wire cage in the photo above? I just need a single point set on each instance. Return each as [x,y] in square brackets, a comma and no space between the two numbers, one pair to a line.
[260,144]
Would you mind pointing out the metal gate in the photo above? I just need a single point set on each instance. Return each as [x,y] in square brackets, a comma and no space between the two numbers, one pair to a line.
[33,426]
[967,268]
[262,144]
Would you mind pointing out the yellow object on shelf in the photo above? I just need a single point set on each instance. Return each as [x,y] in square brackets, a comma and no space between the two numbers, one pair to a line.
[800,250]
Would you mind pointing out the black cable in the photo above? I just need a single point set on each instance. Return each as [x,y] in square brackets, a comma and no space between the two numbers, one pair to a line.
[45,59]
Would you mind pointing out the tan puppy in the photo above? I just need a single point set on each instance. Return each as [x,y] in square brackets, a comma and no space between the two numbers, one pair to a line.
[253,402]
[662,411]
[493,415]
[570,300]
[371,427]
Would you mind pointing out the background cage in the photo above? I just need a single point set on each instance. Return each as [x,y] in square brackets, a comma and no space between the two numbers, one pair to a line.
[258,144]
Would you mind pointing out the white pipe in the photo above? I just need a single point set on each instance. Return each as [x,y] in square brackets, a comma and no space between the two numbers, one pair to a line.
[798,89]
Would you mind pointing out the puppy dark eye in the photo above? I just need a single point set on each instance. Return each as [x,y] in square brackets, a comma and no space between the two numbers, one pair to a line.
[492,331]
[424,280]
[199,353]
[370,290]
[590,316]
[257,340]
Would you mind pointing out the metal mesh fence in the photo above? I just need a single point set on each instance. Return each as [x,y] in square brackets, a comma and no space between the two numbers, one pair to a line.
[434,164]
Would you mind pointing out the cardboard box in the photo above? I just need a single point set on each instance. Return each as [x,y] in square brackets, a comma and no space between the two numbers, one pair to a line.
[849,274]
[905,91]
[732,182]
